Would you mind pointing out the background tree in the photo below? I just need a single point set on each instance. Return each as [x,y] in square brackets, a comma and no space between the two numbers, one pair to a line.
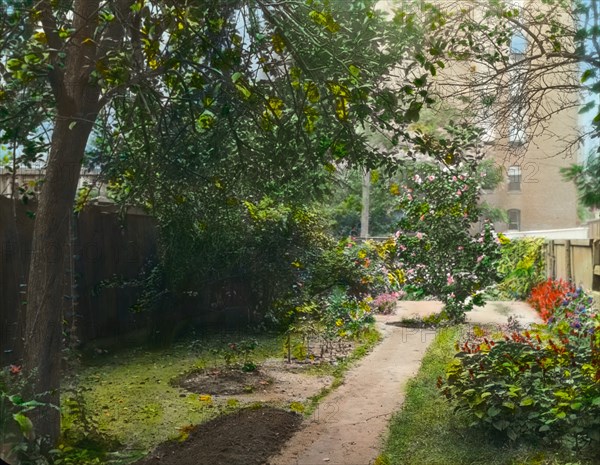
[517,64]
[587,180]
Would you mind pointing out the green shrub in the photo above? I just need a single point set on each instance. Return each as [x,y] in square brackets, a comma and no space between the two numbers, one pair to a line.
[522,266]
[541,384]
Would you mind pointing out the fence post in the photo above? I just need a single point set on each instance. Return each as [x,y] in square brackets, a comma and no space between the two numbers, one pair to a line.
[550,260]
[568,261]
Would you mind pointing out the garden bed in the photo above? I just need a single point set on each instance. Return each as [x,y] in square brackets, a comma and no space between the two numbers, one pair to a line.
[247,437]
[276,381]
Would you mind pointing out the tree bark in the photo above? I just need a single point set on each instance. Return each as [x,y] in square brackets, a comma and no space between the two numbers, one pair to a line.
[43,315]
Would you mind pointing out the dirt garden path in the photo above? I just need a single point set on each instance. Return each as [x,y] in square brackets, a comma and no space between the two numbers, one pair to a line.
[348,427]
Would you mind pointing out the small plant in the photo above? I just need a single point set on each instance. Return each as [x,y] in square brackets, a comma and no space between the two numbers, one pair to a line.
[241,353]
[17,432]
[82,440]
[386,303]
[297,407]
[249,367]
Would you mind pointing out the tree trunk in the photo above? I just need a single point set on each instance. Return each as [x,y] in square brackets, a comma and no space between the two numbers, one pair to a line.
[366,204]
[77,104]
[43,315]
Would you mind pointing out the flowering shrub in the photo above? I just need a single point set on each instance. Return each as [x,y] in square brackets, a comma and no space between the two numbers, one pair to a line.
[543,383]
[345,316]
[373,269]
[546,296]
[436,246]
[386,303]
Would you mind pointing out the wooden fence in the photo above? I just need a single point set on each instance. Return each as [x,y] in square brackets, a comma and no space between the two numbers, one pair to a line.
[576,260]
[103,245]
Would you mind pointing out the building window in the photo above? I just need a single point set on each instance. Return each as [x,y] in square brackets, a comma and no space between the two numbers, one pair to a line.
[517,89]
[514,178]
[514,220]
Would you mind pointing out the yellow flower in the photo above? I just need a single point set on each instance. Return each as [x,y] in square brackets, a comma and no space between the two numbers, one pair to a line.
[503,239]
[339,322]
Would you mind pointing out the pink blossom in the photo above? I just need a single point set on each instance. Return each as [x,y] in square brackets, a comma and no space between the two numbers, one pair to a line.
[410,197]
[479,258]
[452,295]
[461,177]
[402,247]
[460,247]
[454,178]
[480,240]
[422,218]
[419,235]
[449,279]
[431,177]
[459,192]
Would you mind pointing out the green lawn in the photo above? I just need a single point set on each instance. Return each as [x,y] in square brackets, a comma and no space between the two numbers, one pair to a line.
[126,395]
[427,431]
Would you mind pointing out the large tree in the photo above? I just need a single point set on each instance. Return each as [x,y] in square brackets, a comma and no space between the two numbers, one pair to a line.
[274,87]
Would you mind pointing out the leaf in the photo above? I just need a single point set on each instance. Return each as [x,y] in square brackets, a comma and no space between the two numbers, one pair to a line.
[17,400]
[25,425]
[493,411]
[413,113]
[72,125]
[527,401]
[588,73]
[354,71]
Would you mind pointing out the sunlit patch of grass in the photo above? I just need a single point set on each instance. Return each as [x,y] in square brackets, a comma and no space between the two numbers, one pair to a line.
[128,395]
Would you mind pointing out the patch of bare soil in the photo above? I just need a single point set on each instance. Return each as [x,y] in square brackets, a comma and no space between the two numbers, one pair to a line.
[247,437]
[224,382]
[275,381]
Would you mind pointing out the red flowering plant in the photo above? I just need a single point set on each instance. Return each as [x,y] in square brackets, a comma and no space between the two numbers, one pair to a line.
[542,382]
[546,296]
